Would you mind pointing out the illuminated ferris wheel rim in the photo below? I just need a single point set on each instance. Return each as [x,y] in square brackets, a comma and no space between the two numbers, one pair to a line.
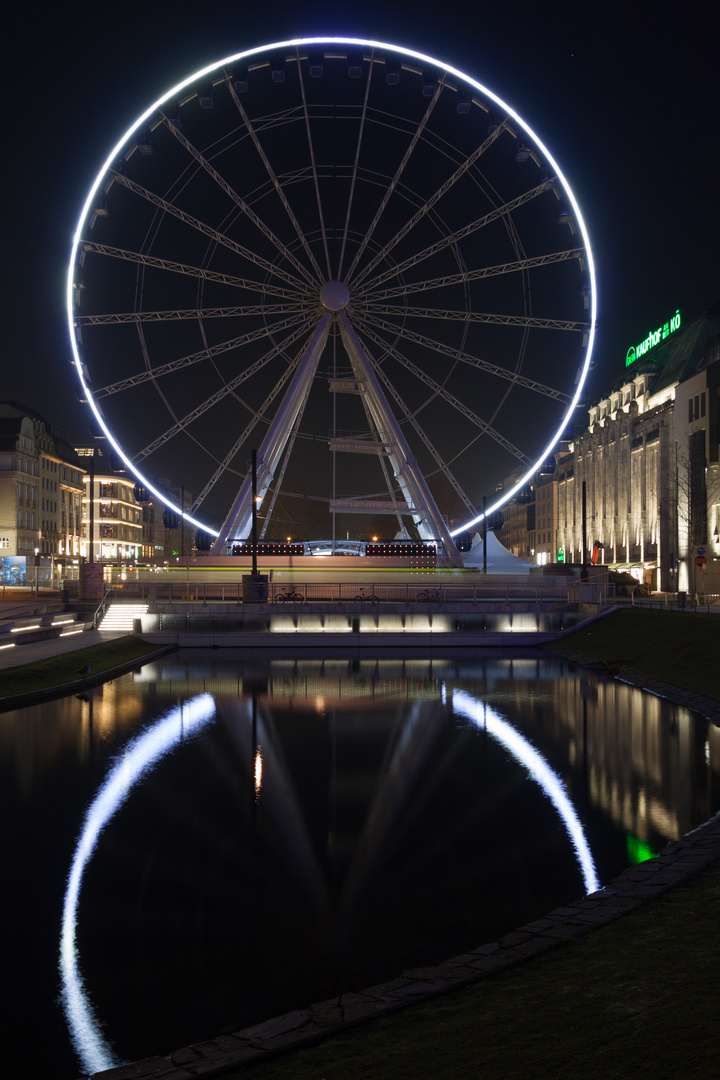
[305,43]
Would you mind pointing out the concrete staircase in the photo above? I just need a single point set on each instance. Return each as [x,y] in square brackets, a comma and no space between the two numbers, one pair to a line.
[119,617]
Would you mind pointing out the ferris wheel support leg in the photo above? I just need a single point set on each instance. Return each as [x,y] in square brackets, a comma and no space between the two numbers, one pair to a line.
[238,522]
[426,515]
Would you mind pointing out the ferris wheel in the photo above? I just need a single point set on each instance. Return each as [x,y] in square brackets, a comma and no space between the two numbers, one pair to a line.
[350,257]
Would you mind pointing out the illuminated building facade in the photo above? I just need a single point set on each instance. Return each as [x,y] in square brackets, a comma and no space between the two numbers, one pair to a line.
[60,496]
[649,463]
[19,531]
[117,528]
[41,487]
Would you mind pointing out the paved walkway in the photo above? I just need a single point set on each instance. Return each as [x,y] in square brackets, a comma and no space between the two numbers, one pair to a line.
[58,646]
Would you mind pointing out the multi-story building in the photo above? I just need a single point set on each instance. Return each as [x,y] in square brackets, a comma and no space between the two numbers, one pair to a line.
[40,487]
[530,518]
[60,494]
[116,526]
[546,516]
[163,534]
[648,465]
[639,488]
[19,483]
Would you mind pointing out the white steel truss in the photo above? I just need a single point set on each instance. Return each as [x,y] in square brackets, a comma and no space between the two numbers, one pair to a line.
[428,519]
[238,522]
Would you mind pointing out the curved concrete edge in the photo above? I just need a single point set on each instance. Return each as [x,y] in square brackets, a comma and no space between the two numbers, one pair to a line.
[49,693]
[679,861]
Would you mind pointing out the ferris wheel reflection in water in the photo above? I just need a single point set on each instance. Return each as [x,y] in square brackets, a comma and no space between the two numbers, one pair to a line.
[145,752]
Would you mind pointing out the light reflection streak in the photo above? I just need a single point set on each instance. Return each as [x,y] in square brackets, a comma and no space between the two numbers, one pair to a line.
[484,716]
[138,757]
[258,770]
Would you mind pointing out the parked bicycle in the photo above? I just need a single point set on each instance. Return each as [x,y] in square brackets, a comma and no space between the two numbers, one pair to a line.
[428,595]
[363,597]
[289,596]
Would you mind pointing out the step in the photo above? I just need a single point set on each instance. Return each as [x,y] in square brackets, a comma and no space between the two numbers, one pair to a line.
[121,616]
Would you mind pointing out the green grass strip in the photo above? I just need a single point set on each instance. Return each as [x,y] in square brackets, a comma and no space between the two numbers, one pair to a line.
[61,670]
[677,647]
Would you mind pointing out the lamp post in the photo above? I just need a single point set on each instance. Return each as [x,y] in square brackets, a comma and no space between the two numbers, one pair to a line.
[255,585]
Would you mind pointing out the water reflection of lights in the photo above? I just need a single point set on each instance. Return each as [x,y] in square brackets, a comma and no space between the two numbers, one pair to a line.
[139,756]
[482,715]
[258,770]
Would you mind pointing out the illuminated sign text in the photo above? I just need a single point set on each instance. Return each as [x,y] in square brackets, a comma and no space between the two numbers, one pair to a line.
[654,338]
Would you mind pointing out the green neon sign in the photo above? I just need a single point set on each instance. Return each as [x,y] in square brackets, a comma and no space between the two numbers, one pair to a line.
[654,338]
[561,555]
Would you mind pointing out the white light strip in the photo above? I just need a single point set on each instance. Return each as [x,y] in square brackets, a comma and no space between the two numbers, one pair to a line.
[483,716]
[302,43]
[139,756]
[22,629]
[10,646]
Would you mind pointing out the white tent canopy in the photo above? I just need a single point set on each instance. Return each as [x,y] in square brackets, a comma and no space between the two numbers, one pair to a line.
[499,559]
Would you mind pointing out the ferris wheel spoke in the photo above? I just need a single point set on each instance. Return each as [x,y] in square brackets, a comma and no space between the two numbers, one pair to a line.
[444,188]
[180,314]
[436,346]
[206,230]
[220,395]
[356,162]
[440,391]
[461,234]
[259,417]
[449,280]
[396,179]
[275,182]
[257,221]
[152,374]
[449,315]
[313,163]
[420,431]
[191,271]
[278,480]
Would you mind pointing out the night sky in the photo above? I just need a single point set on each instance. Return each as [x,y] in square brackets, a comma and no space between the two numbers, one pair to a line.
[623,95]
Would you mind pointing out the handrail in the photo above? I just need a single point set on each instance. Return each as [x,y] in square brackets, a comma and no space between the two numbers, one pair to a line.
[101,609]
[286,594]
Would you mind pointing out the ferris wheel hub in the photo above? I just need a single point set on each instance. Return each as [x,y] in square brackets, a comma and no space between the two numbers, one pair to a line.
[334,295]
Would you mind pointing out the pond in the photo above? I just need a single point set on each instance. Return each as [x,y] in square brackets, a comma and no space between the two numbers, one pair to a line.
[208,842]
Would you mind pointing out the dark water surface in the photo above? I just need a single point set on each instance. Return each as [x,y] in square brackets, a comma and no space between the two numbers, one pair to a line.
[208,842]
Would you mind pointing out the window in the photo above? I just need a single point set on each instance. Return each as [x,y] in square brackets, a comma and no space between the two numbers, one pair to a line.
[4,542]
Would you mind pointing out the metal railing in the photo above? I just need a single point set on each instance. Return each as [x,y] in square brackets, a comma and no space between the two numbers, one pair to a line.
[289,595]
[100,610]
[698,603]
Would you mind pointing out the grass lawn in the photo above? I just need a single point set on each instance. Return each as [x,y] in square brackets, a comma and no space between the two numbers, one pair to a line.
[634,998]
[63,669]
[677,647]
